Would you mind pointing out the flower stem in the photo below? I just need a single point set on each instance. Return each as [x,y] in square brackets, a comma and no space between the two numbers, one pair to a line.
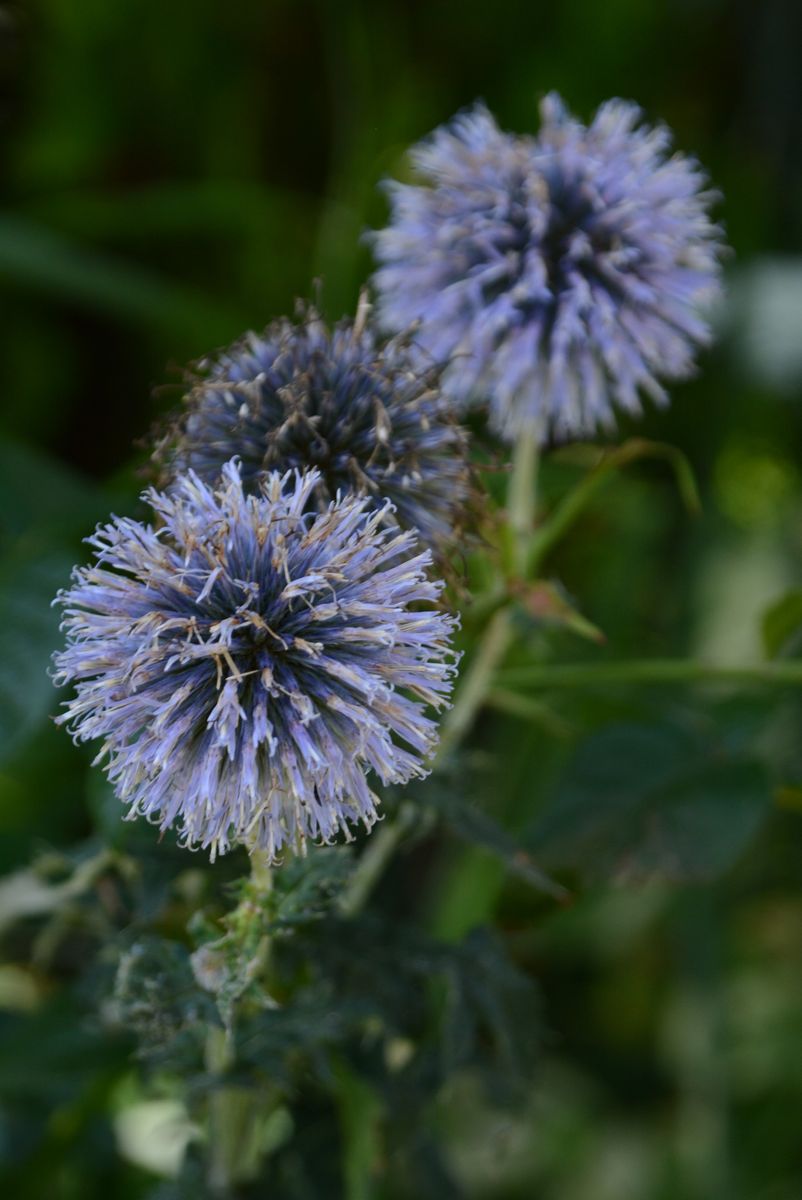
[497,636]
[474,686]
[521,496]
[220,1136]
[261,871]
[232,1111]
[476,682]
[375,858]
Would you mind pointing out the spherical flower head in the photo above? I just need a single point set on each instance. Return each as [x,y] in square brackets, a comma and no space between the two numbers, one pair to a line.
[367,414]
[248,662]
[560,275]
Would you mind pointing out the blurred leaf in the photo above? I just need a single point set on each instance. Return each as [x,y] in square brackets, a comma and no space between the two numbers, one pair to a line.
[29,893]
[601,460]
[766,301]
[641,802]
[603,463]
[546,601]
[492,1006]
[43,499]
[44,509]
[52,1052]
[20,989]
[789,797]
[476,826]
[37,258]
[360,1113]
[156,996]
[781,622]
[179,208]
[154,1134]
[28,636]
[526,708]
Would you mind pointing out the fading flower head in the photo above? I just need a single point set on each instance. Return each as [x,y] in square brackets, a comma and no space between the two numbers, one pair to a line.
[365,413]
[247,662]
[559,275]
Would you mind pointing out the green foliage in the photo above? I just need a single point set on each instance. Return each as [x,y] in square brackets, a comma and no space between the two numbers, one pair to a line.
[171,182]
[652,802]
[782,622]
[45,508]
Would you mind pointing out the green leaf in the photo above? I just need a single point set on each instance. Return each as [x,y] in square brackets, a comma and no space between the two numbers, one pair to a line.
[641,802]
[782,621]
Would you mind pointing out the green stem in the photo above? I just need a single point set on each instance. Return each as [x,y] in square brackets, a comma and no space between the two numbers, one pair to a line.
[561,520]
[521,496]
[474,685]
[572,506]
[655,670]
[375,858]
[478,679]
[261,871]
[233,1154]
[219,1058]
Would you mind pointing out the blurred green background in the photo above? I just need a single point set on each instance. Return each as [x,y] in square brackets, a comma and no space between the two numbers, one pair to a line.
[174,174]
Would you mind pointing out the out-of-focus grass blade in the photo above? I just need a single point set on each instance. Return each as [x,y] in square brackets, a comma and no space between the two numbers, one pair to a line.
[34,257]
[176,209]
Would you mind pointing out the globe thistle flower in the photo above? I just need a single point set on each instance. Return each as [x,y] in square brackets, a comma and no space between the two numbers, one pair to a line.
[248,662]
[562,274]
[369,416]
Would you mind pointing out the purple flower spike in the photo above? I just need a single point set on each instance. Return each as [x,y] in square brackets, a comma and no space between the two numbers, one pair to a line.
[247,662]
[560,275]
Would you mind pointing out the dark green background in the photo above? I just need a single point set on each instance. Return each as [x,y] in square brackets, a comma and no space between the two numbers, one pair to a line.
[174,174]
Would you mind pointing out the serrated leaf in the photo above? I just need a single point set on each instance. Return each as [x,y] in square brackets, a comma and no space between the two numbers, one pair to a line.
[643,802]
[782,623]
[155,995]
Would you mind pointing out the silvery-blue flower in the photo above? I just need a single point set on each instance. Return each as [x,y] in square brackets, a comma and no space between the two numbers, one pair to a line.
[364,412]
[248,663]
[560,275]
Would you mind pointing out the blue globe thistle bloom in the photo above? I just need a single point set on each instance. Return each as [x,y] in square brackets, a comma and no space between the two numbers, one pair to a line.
[367,414]
[247,662]
[561,275]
